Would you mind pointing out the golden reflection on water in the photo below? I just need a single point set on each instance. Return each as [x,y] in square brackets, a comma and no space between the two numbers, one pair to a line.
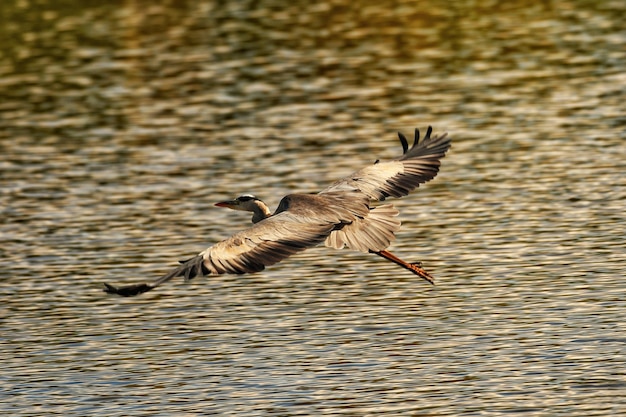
[122,124]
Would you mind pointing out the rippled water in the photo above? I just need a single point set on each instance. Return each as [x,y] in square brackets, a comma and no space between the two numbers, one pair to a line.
[121,125]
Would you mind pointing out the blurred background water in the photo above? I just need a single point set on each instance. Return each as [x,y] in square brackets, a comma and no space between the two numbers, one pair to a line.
[122,123]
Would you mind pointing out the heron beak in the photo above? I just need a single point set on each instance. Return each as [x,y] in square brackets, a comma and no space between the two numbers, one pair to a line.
[229,204]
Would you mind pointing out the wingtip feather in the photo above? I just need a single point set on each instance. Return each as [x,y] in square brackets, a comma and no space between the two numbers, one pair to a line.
[416,138]
[405,143]
[128,290]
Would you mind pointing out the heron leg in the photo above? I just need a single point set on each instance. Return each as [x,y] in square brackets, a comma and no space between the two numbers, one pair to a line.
[414,267]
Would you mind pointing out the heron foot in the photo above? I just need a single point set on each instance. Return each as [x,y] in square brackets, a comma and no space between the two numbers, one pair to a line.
[416,268]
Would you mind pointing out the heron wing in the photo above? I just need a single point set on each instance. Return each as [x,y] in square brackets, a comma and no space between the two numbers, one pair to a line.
[400,176]
[300,222]
[266,243]
[251,250]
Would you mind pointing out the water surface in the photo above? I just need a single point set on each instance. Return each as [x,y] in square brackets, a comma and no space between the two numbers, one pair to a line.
[123,124]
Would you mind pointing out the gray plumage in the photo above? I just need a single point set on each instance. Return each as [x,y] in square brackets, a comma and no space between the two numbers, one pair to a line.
[339,216]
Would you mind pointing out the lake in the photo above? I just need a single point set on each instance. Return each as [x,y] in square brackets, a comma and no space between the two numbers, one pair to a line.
[122,124]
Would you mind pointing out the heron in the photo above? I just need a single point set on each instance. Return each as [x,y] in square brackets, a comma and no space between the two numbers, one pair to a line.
[342,215]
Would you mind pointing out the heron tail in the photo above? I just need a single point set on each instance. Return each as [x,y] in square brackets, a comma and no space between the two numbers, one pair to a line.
[189,269]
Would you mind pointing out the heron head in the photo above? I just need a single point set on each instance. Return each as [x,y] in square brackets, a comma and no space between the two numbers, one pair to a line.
[246,202]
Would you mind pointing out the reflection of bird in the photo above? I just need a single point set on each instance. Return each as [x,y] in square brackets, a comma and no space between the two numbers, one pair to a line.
[339,216]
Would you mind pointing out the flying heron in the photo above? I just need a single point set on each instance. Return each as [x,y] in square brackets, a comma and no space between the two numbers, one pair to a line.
[339,216]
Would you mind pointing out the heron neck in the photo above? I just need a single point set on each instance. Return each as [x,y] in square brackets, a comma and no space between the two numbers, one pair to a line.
[260,211]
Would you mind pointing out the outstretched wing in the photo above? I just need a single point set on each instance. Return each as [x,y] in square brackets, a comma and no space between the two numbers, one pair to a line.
[265,243]
[400,176]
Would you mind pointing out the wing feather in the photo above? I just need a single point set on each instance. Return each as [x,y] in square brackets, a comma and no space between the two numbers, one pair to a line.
[251,250]
[300,222]
[266,243]
[400,176]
